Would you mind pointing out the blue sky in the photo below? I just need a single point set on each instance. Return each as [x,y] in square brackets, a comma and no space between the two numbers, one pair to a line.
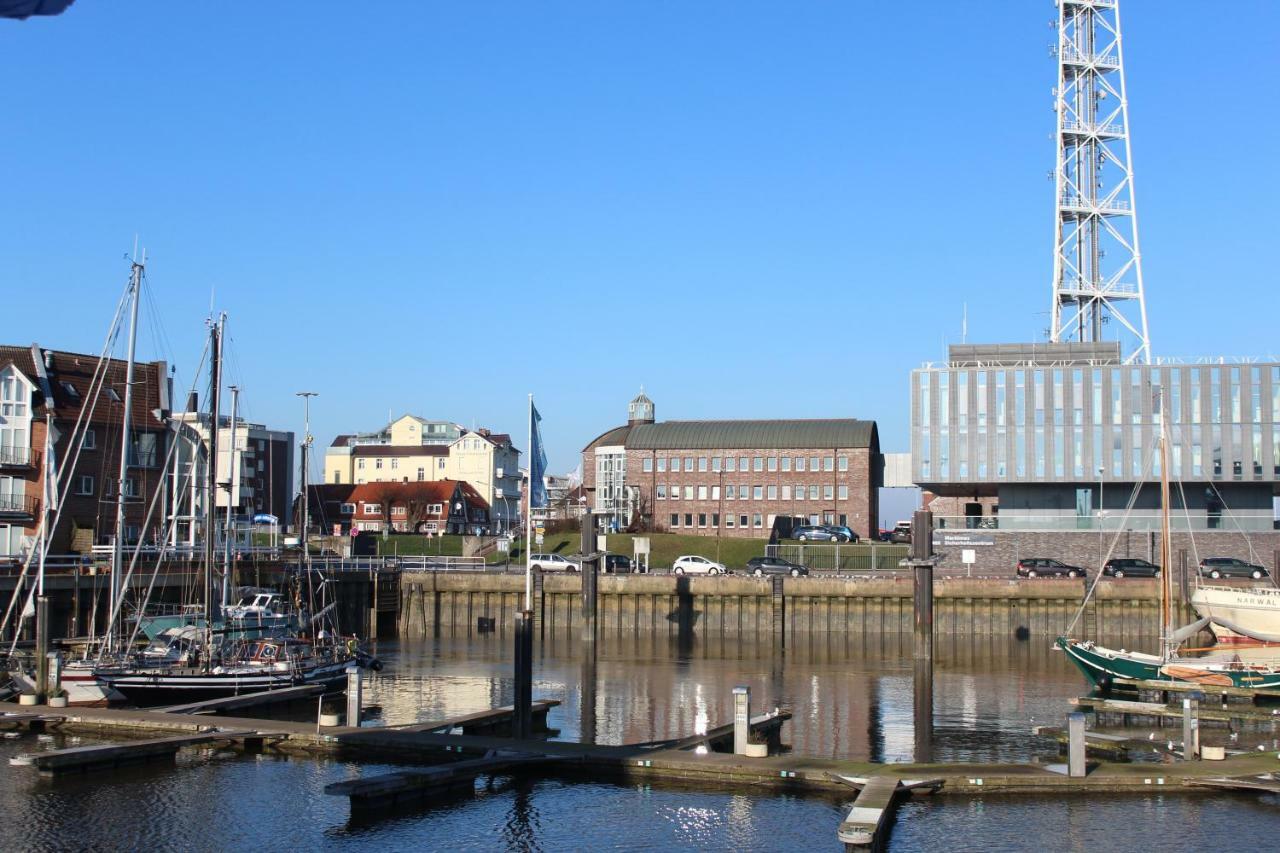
[754,210]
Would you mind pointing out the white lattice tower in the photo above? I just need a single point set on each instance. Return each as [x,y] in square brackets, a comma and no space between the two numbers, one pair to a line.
[1097,264]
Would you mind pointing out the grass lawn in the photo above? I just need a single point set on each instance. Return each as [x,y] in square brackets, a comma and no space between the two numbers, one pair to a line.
[411,544]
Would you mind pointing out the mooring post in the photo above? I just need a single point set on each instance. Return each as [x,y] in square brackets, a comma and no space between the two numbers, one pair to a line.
[778,595]
[741,719]
[1191,729]
[355,696]
[590,577]
[522,725]
[42,648]
[921,562]
[1075,744]
[55,674]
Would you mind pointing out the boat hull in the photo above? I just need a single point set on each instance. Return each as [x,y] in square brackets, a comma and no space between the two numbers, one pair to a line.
[1248,616]
[149,688]
[1103,666]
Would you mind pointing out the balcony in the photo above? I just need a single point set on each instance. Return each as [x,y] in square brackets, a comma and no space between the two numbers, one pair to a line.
[1110,522]
[19,457]
[18,507]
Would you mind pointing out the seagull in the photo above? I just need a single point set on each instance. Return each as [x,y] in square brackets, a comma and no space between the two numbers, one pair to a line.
[1235,736]
[1151,736]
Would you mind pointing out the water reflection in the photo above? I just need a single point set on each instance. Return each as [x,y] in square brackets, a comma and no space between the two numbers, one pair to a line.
[852,696]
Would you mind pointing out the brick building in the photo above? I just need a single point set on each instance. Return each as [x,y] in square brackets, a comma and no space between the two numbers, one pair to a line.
[732,478]
[40,386]
[442,506]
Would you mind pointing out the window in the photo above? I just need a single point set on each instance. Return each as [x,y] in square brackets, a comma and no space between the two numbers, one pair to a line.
[742,464]
[337,476]
[422,474]
[799,463]
[702,493]
[130,487]
[675,519]
[715,464]
[70,390]
[842,463]
[843,494]
[813,493]
[688,493]
[377,463]
[814,462]
[828,463]
[715,493]
[397,510]
[772,493]
[435,509]
[395,463]
[647,465]
[661,492]
[90,439]
[730,493]
[773,463]
[757,520]
[827,493]
[757,493]
[360,464]
[743,521]
[688,463]
[84,484]
[702,464]
[688,519]
[662,465]
[730,464]
[372,509]
[799,491]
[715,519]
[440,464]
[674,493]
[728,521]
[757,463]
[786,463]
[347,509]
[786,491]
[743,492]
[702,519]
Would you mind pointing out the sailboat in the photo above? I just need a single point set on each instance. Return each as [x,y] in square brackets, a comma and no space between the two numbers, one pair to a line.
[1102,666]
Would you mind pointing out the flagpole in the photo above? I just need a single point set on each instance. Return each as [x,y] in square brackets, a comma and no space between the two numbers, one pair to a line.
[528,519]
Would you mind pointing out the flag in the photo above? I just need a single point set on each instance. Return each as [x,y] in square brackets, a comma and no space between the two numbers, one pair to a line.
[537,460]
[21,9]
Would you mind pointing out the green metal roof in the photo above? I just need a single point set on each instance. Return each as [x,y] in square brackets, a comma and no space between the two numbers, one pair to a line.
[751,435]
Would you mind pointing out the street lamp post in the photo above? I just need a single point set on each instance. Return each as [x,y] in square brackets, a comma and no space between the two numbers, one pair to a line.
[1101,517]
[306,463]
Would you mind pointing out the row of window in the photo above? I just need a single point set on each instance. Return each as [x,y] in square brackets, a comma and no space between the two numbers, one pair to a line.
[85,486]
[395,464]
[742,521]
[731,464]
[376,509]
[799,492]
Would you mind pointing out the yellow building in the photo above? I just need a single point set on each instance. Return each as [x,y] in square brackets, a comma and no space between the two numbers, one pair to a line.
[414,449]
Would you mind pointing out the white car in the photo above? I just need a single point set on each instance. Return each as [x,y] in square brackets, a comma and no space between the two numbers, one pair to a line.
[691,564]
[553,563]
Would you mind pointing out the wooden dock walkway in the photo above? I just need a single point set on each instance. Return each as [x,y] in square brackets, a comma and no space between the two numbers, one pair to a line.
[1126,707]
[390,790]
[496,721]
[247,700]
[870,816]
[82,759]
[1267,783]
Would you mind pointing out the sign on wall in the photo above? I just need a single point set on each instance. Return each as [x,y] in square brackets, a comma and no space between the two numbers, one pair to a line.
[961,539]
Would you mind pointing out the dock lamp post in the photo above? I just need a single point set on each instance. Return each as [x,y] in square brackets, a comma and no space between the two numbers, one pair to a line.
[1102,536]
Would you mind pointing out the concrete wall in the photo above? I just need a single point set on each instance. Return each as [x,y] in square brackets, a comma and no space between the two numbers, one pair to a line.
[784,611]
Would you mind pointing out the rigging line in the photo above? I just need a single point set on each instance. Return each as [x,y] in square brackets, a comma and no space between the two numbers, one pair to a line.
[1128,510]
[137,549]
[1253,555]
[64,472]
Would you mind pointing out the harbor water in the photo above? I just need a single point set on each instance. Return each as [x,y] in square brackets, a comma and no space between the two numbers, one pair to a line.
[852,698]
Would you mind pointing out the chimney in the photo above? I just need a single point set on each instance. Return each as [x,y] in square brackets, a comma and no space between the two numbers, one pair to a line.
[193,402]
[48,359]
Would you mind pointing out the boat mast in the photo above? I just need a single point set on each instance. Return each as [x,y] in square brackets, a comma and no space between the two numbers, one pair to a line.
[211,485]
[126,423]
[1166,586]
[231,489]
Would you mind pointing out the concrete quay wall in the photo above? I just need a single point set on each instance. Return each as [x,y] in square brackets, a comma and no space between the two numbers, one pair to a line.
[769,609]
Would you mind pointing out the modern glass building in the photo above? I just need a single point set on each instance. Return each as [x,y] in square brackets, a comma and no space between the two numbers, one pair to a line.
[1064,436]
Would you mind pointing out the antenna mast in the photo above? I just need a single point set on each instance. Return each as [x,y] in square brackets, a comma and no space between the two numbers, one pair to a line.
[1097,264]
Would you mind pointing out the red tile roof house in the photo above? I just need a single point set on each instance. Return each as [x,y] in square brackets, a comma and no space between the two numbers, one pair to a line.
[442,506]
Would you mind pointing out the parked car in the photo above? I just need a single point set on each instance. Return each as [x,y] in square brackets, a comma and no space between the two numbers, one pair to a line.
[1119,567]
[841,530]
[1230,567]
[553,563]
[617,564]
[761,566]
[817,533]
[691,564]
[901,533]
[1034,567]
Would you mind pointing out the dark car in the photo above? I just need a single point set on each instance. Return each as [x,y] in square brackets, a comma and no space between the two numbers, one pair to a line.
[617,564]
[761,566]
[901,533]
[1120,567]
[816,533]
[841,531]
[1036,567]
[1230,567]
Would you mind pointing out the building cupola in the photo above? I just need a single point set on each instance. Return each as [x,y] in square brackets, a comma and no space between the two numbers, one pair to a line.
[640,410]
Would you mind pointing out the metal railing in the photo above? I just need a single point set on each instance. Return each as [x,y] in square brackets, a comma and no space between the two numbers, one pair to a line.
[1073,201]
[441,564]
[1097,129]
[19,505]
[1102,60]
[841,559]
[1110,520]
[23,457]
